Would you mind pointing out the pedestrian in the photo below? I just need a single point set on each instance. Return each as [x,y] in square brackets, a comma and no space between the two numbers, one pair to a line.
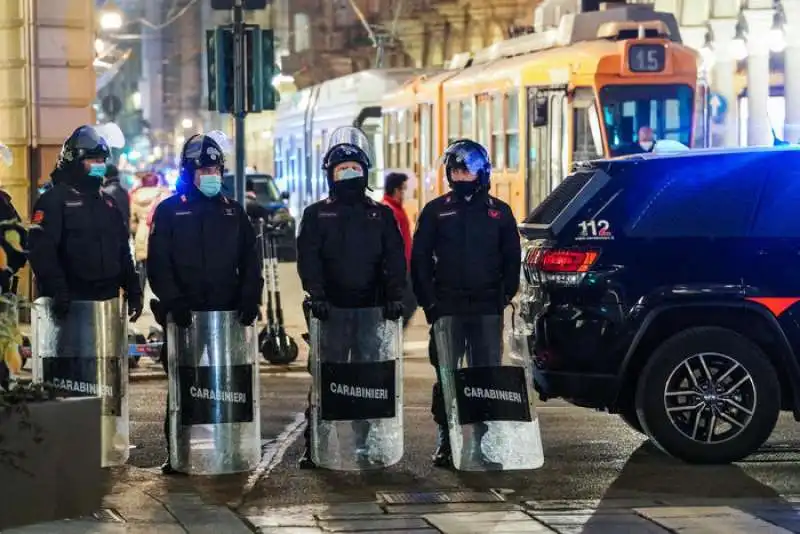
[13,242]
[144,199]
[202,250]
[78,241]
[465,262]
[394,190]
[113,188]
[349,256]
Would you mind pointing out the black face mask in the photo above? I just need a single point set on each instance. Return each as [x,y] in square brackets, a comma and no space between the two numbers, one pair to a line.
[350,190]
[465,189]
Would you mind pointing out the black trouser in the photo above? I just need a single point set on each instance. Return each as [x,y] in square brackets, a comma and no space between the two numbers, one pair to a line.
[141,267]
[409,303]
[477,338]
[346,339]
[162,358]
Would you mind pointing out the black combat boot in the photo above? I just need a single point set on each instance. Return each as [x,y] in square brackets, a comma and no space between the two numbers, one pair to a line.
[305,461]
[443,455]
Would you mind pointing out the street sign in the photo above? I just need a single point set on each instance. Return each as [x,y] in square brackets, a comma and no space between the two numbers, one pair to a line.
[718,106]
[246,4]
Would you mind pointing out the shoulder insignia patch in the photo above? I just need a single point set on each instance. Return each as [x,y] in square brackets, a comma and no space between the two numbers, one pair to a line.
[494,214]
[38,217]
[184,199]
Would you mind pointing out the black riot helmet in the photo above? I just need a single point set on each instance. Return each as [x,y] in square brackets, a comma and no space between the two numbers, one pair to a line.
[467,155]
[84,143]
[200,151]
[347,144]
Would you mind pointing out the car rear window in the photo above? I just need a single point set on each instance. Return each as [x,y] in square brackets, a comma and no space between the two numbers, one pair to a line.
[546,212]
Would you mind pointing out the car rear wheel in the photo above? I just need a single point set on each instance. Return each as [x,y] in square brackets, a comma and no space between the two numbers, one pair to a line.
[708,395]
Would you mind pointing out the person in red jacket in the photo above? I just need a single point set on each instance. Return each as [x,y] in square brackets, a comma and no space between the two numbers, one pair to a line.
[394,190]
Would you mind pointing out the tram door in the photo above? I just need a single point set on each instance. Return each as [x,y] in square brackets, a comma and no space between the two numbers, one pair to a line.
[547,144]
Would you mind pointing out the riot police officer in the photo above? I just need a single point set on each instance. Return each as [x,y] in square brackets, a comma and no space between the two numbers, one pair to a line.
[349,255]
[202,249]
[78,241]
[465,262]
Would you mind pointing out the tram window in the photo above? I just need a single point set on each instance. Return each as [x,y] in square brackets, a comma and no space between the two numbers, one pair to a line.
[483,117]
[426,136]
[402,134]
[453,121]
[466,118]
[587,141]
[409,147]
[667,109]
[278,160]
[498,132]
[512,130]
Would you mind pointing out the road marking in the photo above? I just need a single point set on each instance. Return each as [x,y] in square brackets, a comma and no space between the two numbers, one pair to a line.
[272,453]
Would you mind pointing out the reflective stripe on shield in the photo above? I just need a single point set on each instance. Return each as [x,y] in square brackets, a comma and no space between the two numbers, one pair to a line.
[488,398]
[356,399]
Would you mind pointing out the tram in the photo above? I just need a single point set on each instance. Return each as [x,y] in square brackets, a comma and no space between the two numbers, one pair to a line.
[541,102]
[304,120]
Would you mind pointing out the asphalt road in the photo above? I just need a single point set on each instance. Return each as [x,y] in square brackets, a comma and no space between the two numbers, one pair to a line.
[588,455]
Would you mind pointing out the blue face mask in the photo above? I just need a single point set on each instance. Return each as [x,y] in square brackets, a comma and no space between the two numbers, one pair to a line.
[210,184]
[97,170]
[348,174]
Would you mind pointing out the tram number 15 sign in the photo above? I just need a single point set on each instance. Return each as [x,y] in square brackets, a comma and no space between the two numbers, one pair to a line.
[646,58]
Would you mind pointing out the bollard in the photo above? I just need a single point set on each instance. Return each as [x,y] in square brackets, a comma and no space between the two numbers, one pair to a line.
[84,355]
[214,420]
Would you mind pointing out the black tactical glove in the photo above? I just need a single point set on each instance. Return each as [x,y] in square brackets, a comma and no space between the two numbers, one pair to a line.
[159,313]
[135,306]
[392,311]
[61,306]
[320,309]
[431,314]
[181,314]
[247,314]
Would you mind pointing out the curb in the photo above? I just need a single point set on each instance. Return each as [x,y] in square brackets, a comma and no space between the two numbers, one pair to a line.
[151,376]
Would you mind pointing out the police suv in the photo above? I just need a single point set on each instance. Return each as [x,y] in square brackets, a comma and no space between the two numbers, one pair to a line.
[665,288]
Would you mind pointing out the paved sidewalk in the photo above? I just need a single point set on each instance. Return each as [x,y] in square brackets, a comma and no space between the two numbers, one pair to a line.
[131,511]
[482,513]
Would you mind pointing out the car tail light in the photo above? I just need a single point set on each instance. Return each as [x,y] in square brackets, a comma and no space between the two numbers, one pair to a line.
[561,266]
[566,261]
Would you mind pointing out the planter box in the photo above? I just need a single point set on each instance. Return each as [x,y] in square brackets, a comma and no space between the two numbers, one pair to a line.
[61,475]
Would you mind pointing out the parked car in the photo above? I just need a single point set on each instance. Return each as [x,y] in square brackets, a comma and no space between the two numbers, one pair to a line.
[664,288]
[269,196]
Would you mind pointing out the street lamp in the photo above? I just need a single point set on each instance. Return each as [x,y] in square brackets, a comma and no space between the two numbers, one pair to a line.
[111,17]
[739,43]
[707,53]
[777,39]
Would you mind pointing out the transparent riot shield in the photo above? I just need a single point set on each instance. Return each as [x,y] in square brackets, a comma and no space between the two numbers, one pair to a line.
[357,392]
[488,397]
[214,419]
[84,355]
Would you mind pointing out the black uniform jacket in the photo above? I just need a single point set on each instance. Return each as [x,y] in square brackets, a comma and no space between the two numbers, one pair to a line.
[202,251]
[79,245]
[351,253]
[466,255]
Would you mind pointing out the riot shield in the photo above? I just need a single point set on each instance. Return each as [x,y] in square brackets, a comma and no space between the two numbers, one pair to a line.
[357,390]
[488,397]
[84,355]
[214,422]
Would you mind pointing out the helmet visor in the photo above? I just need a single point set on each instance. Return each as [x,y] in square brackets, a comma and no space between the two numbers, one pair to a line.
[465,155]
[352,136]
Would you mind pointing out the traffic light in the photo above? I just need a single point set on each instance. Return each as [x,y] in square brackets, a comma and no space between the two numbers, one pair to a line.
[219,54]
[261,95]
[259,54]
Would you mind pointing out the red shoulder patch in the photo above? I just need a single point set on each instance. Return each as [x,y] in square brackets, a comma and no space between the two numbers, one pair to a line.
[494,214]
[38,217]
